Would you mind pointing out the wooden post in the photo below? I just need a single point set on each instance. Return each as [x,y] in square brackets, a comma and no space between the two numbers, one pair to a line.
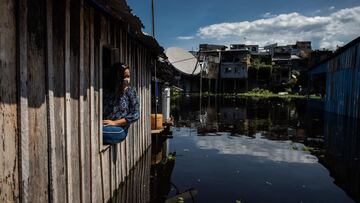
[127,140]
[67,102]
[93,135]
[132,145]
[23,105]
[143,112]
[50,104]
[9,102]
[82,90]
[138,81]
[148,77]
[123,144]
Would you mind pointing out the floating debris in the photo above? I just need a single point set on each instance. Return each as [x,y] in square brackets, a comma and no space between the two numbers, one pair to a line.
[268,183]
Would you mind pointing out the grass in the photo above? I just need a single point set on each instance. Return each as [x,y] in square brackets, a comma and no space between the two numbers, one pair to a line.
[304,148]
[261,94]
[273,95]
[308,149]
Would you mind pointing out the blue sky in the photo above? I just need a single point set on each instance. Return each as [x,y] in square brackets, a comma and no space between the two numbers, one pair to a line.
[186,23]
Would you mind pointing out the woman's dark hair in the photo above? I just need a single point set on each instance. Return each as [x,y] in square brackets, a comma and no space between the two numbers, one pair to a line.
[116,78]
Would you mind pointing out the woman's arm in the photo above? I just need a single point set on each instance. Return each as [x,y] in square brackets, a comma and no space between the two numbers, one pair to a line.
[134,106]
[132,116]
[119,122]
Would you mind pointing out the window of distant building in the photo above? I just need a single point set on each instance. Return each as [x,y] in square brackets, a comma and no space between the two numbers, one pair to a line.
[228,70]
[239,69]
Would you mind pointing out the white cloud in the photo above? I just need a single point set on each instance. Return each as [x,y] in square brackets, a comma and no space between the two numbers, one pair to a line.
[185,37]
[223,143]
[268,15]
[331,8]
[328,31]
[317,11]
[279,151]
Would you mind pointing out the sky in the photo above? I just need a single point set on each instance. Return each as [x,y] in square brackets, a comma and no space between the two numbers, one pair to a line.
[188,23]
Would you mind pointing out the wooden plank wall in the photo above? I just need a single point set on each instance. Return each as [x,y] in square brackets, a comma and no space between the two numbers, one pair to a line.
[343,83]
[50,118]
[9,126]
[136,188]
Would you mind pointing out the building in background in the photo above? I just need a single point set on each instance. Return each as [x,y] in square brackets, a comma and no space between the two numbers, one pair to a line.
[234,65]
[253,49]
[211,47]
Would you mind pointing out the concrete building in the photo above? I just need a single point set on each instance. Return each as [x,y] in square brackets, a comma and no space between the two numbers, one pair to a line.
[234,66]
[253,49]
[210,64]
[302,49]
[211,47]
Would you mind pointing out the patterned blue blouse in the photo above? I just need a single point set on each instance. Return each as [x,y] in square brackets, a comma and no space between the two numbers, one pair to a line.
[124,106]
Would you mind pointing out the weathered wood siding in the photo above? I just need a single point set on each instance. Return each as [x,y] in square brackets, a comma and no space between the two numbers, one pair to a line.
[136,188]
[9,161]
[343,82]
[51,102]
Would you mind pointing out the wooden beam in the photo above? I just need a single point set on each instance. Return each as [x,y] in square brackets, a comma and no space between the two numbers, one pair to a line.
[93,135]
[23,103]
[67,103]
[127,140]
[9,104]
[101,108]
[50,104]
[82,90]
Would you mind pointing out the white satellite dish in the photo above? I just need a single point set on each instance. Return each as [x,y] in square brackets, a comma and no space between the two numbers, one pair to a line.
[182,60]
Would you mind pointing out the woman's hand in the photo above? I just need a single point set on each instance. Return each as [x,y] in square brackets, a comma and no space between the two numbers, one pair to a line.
[109,122]
[120,122]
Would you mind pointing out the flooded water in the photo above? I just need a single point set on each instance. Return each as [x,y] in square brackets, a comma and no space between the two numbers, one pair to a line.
[256,150]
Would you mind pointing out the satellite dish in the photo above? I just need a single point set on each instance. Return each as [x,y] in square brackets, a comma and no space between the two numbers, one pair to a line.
[182,60]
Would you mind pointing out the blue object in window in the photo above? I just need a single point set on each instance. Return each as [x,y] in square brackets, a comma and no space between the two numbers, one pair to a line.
[114,134]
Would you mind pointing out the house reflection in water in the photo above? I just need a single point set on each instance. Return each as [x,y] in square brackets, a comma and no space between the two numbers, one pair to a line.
[274,131]
[277,119]
[162,166]
[136,188]
[264,127]
[150,181]
[341,154]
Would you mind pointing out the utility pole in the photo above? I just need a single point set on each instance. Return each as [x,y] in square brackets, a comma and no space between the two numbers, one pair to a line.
[153,18]
[155,74]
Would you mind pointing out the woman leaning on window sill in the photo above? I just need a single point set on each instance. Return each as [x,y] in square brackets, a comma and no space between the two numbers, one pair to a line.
[121,106]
